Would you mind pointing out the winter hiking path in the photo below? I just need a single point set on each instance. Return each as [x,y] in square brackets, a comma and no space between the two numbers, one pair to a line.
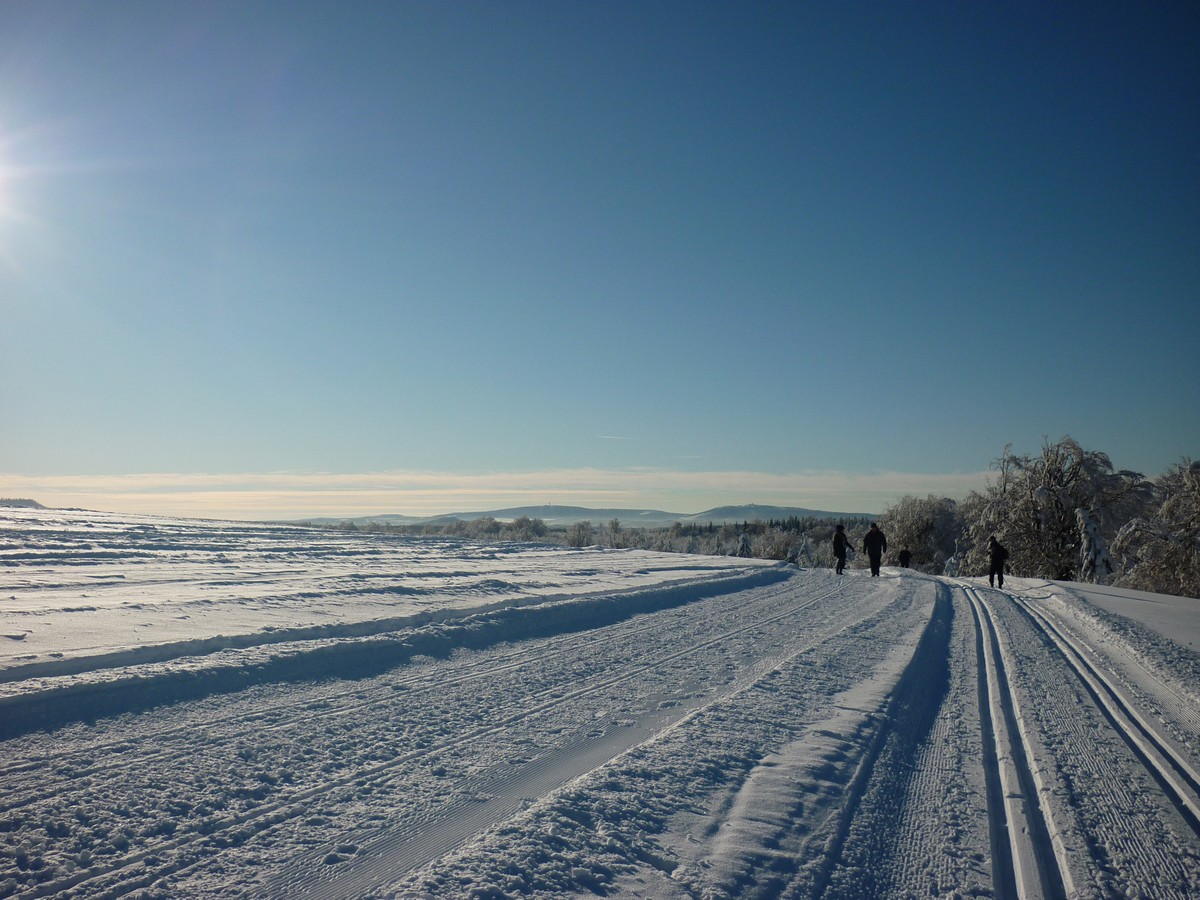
[1098,801]
[548,708]
[690,729]
[1028,856]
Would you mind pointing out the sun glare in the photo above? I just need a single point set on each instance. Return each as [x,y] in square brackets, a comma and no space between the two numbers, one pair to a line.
[8,174]
[5,181]
[8,215]
[11,214]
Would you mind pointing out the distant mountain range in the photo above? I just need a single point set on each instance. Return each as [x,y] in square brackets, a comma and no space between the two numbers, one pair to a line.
[563,516]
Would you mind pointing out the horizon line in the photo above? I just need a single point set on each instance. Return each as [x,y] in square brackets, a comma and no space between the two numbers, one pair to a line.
[283,496]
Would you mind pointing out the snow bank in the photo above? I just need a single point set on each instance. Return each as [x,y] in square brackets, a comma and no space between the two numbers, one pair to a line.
[106,614]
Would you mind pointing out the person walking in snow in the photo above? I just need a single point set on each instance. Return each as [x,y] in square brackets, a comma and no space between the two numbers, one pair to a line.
[875,545]
[841,544]
[997,556]
[905,558]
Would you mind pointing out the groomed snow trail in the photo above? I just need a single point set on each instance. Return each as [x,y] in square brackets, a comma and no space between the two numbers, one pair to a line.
[692,729]
[1115,804]
[337,788]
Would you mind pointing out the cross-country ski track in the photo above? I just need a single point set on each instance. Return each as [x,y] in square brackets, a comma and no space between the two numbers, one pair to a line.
[735,729]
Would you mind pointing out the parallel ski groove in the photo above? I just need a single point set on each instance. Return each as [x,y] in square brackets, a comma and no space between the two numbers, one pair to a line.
[1038,859]
[258,721]
[272,814]
[1003,872]
[1170,770]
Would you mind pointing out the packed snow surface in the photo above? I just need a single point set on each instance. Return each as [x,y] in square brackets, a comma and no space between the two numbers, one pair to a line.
[209,709]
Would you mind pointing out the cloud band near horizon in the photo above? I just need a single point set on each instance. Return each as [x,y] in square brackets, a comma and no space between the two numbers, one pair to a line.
[300,495]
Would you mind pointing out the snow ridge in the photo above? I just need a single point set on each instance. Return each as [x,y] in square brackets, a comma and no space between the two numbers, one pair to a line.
[54,701]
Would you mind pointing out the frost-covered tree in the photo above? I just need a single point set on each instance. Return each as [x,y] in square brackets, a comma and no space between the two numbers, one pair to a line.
[927,527]
[1095,565]
[1031,508]
[526,529]
[774,543]
[484,527]
[615,535]
[581,534]
[1160,551]
[803,555]
[952,566]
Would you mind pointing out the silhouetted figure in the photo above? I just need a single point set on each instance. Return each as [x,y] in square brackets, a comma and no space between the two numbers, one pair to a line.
[840,545]
[905,558]
[997,556]
[875,543]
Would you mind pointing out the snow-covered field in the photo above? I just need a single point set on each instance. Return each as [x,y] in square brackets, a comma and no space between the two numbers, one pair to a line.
[207,709]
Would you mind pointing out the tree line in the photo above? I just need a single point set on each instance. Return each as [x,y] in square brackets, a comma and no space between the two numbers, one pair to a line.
[1064,513]
[20,503]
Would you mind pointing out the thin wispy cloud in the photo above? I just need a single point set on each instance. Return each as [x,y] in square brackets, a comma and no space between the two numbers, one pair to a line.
[291,495]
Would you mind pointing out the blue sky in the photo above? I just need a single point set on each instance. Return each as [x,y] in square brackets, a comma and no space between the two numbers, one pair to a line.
[259,259]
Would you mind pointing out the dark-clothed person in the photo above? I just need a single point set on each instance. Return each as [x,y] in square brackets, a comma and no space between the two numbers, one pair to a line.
[997,556]
[875,544]
[840,545]
[905,558]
